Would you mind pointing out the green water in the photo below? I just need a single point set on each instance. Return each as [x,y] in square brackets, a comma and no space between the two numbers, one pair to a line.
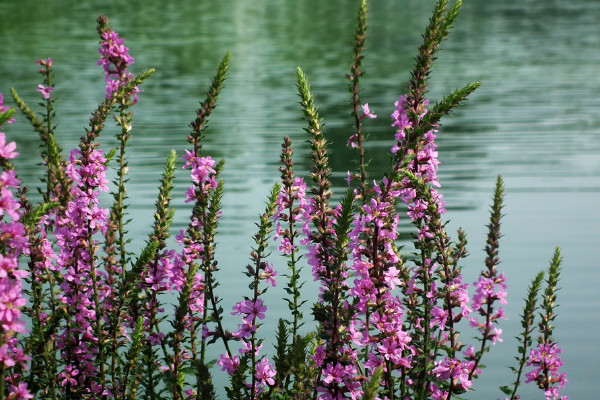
[534,120]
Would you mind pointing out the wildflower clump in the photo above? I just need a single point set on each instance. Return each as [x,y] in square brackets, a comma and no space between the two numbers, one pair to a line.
[389,320]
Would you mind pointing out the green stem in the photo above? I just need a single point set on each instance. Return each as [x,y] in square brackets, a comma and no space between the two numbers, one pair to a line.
[99,314]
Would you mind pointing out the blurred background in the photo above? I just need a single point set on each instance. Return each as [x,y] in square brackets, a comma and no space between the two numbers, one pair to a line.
[535,121]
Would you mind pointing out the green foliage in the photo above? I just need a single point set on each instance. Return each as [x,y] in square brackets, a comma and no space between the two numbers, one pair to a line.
[371,388]
[343,223]
[5,116]
[32,218]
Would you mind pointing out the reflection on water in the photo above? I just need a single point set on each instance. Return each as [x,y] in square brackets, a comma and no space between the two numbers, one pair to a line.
[534,120]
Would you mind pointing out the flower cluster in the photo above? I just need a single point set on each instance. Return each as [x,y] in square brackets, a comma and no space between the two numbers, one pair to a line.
[424,163]
[376,265]
[115,60]
[489,290]
[454,370]
[546,363]
[250,312]
[291,209]
[13,243]
[45,71]
[192,239]
[82,287]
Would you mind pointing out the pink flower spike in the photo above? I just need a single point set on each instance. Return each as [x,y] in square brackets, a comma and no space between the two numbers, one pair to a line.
[45,91]
[367,112]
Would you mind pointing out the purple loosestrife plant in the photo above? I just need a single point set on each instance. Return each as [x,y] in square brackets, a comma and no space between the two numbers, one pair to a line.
[545,358]
[387,324]
[251,311]
[13,244]
[72,301]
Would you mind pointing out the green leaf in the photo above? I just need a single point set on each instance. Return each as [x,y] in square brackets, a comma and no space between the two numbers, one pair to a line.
[372,386]
[32,218]
[5,116]
[506,390]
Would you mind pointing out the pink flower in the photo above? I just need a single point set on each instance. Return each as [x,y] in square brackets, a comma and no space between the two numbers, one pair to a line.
[245,330]
[228,364]
[268,274]
[115,60]
[9,179]
[5,356]
[45,91]
[440,316]
[265,373]
[250,310]
[454,370]
[7,150]
[11,301]
[20,392]
[45,63]
[68,376]
[367,112]
[333,373]
[353,141]
[546,362]
[9,205]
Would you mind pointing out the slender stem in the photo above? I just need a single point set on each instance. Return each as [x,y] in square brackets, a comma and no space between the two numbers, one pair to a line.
[99,314]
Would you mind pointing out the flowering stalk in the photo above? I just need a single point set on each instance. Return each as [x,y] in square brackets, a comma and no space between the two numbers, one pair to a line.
[57,182]
[545,358]
[155,279]
[115,60]
[84,289]
[525,338]
[252,309]
[490,288]
[209,265]
[194,267]
[52,156]
[356,140]
[188,279]
[291,209]
[416,171]
[327,256]
[13,243]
